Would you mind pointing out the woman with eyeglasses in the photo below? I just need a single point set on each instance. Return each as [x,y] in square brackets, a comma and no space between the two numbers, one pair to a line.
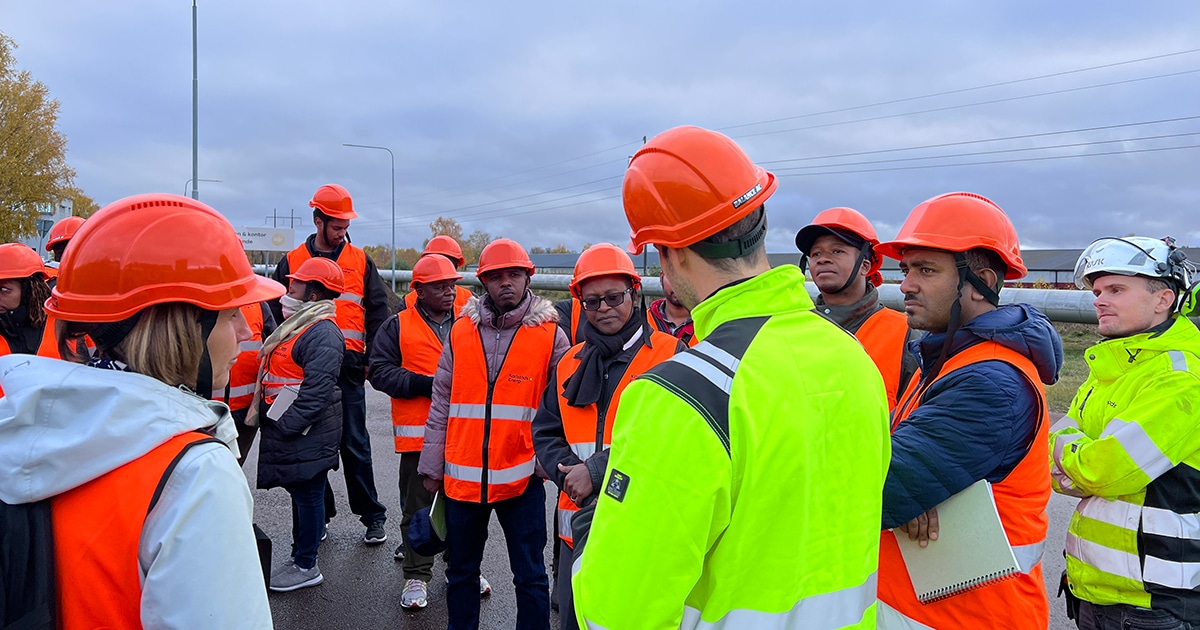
[573,427]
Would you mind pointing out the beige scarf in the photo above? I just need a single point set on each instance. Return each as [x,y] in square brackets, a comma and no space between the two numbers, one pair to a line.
[310,313]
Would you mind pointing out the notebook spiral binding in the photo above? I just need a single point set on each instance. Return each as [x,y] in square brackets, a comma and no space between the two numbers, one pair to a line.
[962,587]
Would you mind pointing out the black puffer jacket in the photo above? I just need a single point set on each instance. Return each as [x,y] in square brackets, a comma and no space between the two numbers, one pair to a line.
[286,453]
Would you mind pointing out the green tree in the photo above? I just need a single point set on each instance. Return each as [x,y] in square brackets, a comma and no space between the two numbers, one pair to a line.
[444,226]
[474,245]
[33,164]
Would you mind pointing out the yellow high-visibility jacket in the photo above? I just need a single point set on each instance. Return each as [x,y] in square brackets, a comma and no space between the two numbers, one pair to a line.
[746,477]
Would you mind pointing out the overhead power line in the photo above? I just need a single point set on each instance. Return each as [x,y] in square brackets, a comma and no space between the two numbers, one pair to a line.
[975,104]
[982,140]
[993,152]
[987,162]
[964,90]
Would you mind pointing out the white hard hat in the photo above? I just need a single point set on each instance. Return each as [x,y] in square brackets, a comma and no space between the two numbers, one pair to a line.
[1135,256]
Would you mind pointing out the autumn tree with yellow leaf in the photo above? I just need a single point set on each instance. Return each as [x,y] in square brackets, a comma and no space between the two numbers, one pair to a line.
[33,163]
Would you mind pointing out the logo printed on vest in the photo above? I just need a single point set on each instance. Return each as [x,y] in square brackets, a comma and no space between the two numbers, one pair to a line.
[518,379]
[618,484]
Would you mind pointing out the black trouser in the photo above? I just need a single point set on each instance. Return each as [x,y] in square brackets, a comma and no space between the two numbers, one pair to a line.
[566,598]
[413,498]
[1125,617]
[356,456]
[245,433]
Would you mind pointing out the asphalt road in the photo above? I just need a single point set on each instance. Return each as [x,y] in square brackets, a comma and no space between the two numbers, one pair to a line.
[362,584]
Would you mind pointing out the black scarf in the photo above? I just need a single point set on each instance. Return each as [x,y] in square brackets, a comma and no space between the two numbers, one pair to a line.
[586,384]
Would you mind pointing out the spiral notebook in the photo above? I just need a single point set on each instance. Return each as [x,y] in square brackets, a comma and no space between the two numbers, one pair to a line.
[971,551]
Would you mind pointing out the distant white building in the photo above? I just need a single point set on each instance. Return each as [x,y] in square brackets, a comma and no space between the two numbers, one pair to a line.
[48,215]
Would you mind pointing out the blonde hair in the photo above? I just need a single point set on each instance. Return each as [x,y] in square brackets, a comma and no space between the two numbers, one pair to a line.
[165,344]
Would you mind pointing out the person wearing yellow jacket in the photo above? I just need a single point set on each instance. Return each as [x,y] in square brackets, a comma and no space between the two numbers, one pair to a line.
[746,474]
[1129,445]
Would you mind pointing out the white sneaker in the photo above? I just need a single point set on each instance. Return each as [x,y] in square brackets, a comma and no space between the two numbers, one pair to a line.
[415,594]
[485,587]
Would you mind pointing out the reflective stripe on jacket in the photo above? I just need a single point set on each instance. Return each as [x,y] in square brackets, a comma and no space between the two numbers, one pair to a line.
[1129,446]
[586,430]
[885,337]
[420,349]
[245,368]
[351,316]
[739,448]
[489,439]
[280,368]
[1021,502]
[100,585]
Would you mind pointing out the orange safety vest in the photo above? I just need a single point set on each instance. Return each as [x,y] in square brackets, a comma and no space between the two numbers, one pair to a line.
[244,373]
[420,349]
[97,529]
[885,338]
[281,370]
[351,316]
[586,432]
[461,295]
[490,425]
[1021,500]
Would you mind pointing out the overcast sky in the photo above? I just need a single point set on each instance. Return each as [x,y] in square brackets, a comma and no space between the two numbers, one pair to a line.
[517,118]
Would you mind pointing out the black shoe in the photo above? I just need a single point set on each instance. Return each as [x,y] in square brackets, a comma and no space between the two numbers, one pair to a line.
[375,534]
[399,555]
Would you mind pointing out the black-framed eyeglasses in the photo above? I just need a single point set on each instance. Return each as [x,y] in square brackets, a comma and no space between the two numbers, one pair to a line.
[612,299]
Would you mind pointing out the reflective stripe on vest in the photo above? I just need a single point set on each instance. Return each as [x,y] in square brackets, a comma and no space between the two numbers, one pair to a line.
[280,369]
[825,611]
[1140,448]
[1021,500]
[885,338]
[100,585]
[245,369]
[520,472]
[351,316]
[583,428]
[420,349]
[489,426]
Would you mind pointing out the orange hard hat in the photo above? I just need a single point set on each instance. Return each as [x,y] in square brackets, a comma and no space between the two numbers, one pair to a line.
[63,231]
[445,246]
[321,270]
[334,201]
[850,226]
[958,222]
[503,253]
[18,260]
[433,269]
[154,249]
[603,259]
[687,184]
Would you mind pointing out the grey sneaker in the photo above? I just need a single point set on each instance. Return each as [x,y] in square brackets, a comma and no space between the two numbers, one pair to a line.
[415,594]
[375,534]
[292,577]
[485,587]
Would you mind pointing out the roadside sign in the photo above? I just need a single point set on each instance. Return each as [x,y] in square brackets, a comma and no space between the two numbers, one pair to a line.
[264,239]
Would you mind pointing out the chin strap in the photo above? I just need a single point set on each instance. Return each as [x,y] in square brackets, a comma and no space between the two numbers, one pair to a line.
[739,246]
[204,378]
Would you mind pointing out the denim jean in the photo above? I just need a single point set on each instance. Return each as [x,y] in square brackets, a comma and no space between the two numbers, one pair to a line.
[523,519]
[1123,617]
[356,456]
[308,519]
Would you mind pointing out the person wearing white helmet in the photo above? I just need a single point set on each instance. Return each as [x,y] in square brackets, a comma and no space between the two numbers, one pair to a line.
[1128,446]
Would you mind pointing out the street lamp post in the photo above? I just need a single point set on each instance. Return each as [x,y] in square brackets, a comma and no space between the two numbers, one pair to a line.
[189,183]
[393,156]
[195,114]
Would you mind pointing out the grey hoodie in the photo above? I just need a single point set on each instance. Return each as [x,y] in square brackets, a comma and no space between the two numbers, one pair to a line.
[499,330]
[64,424]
